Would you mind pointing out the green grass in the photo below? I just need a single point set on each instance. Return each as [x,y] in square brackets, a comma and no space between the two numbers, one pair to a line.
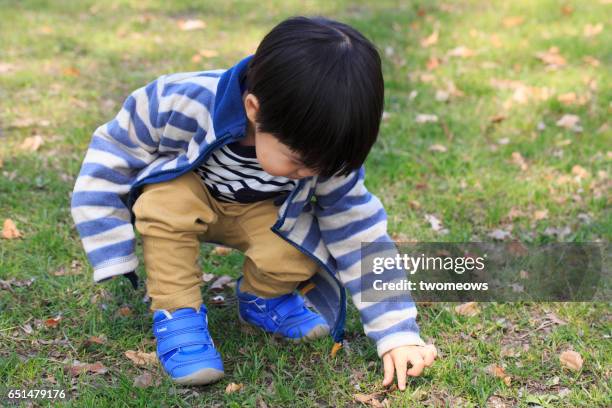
[119,46]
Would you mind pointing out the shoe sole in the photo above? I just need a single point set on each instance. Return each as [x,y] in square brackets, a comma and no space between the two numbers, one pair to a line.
[315,333]
[201,377]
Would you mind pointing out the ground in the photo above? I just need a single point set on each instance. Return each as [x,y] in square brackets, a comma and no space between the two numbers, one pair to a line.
[476,144]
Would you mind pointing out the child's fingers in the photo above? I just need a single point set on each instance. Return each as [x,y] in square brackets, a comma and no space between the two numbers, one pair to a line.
[429,355]
[389,369]
[417,366]
[401,365]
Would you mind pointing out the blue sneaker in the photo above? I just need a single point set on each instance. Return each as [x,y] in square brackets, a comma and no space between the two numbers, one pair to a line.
[185,348]
[285,316]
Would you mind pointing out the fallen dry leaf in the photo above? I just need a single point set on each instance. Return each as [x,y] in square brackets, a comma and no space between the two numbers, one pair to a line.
[124,311]
[540,215]
[53,321]
[144,380]
[430,40]
[31,143]
[71,71]
[462,52]
[499,234]
[519,160]
[219,284]
[432,63]
[580,172]
[207,277]
[513,21]
[140,358]
[191,24]
[78,368]
[571,360]
[591,30]
[467,309]
[438,148]
[592,61]
[96,340]
[9,230]
[426,118]
[571,122]
[233,387]
[221,250]
[435,223]
[552,57]
[497,371]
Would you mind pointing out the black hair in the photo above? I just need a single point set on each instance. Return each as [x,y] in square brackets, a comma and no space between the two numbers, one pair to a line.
[321,92]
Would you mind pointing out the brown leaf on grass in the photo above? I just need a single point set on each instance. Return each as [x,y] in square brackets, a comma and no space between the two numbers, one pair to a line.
[461,52]
[9,230]
[571,122]
[371,399]
[432,63]
[555,319]
[499,234]
[95,340]
[592,61]
[515,213]
[517,248]
[191,24]
[31,143]
[53,321]
[580,172]
[467,309]
[144,380]
[571,98]
[571,360]
[497,371]
[500,117]
[438,148]
[74,269]
[540,215]
[71,71]
[435,223]
[567,10]
[430,40]
[233,387]
[79,368]
[140,358]
[221,250]
[124,311]
[519,160]
[221,282]
[513,21]
[426,118]
[592,30]
[414,204]
[552,57]
[207,277]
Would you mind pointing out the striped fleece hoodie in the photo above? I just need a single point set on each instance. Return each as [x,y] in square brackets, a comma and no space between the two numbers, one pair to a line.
[170,127]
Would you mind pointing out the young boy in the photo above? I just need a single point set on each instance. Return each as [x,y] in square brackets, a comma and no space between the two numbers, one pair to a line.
[266,157]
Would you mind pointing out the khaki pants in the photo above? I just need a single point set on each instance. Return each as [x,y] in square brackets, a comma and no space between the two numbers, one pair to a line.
[173,217]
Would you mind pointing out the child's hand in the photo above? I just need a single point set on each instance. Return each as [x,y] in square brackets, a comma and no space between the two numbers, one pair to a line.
[397,360]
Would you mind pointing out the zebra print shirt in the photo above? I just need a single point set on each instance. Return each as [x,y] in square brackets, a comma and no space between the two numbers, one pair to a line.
[233,174]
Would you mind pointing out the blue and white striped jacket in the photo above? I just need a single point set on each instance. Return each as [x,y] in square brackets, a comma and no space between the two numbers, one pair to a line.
[168,128]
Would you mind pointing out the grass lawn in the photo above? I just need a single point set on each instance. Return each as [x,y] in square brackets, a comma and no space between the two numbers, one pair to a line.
[499,157]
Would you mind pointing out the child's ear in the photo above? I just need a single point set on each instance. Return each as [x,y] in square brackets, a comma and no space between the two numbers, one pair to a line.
[251,106]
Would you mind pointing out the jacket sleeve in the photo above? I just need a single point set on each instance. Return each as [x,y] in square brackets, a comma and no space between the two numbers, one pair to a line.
[348,214]
[118,150]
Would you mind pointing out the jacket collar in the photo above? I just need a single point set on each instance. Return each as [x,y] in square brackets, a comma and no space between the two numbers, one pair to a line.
[229,115]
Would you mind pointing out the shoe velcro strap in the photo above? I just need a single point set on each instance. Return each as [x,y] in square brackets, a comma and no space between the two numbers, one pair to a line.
[190,338]
[190,322]
[287,307]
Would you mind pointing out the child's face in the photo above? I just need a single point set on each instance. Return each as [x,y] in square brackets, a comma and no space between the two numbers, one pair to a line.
[274,157]
[277,159]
